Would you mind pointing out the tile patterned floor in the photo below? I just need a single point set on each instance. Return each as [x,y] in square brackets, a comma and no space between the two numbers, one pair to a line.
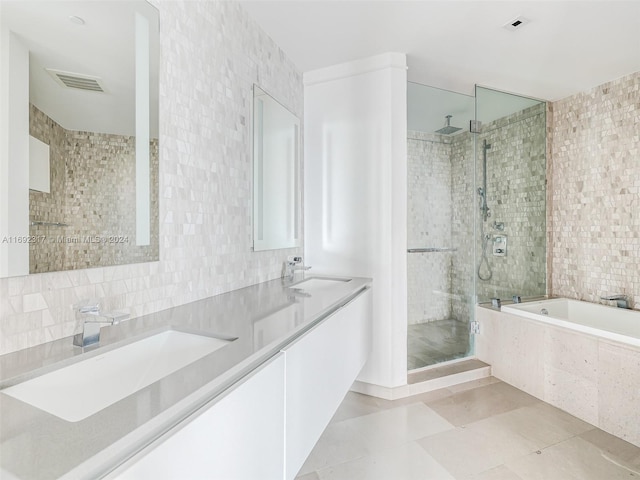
[435,342]
[481,430]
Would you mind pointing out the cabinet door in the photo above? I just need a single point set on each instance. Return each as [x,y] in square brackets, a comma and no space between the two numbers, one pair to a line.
[240,437]
[321,367]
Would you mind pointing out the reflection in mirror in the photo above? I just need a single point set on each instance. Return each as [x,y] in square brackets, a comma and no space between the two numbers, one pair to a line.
[276,174]
[89,138]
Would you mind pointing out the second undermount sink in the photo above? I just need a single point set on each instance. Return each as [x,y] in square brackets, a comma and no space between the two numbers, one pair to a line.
[79,390]
[319,283]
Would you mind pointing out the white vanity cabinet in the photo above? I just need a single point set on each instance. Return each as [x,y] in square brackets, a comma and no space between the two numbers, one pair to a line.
[240,437]
[321,367]
[266,425]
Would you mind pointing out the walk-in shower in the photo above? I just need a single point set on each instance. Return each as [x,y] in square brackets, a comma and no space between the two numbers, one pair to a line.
[440,226]
[470,187]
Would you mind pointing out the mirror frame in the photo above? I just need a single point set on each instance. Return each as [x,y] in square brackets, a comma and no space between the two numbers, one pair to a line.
[263,208]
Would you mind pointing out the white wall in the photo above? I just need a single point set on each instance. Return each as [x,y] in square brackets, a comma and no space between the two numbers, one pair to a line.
[355,193]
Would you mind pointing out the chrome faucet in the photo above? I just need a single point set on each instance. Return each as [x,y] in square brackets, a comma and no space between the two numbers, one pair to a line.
[290,266]
[91,319]
[621,300]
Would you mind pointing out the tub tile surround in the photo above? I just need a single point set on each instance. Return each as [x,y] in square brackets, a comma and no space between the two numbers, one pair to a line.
[595,177]
[595,379]
[211,54]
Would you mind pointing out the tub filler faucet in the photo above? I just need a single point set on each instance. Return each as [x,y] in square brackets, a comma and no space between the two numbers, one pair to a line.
[621,300]
[91,319]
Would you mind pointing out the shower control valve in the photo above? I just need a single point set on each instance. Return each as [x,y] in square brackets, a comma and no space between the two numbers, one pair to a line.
[499,245]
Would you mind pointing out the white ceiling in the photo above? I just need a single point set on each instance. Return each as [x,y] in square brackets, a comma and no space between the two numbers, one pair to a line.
[568,46]
[103,47]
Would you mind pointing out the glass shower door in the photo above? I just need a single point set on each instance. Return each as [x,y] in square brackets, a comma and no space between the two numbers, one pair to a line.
[440,226]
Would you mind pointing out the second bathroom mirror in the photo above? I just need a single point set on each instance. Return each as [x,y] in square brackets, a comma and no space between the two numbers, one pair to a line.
[276,174]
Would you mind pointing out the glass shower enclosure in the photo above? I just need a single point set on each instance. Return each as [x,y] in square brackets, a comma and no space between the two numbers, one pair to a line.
[476,170]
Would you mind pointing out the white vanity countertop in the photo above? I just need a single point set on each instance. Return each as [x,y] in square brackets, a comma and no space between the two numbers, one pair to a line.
[264,318]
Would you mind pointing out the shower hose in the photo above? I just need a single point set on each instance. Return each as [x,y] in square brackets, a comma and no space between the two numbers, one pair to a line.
[484,259]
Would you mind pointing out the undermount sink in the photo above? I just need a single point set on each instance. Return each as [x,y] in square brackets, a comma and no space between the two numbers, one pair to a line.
[77,391]
[319,283]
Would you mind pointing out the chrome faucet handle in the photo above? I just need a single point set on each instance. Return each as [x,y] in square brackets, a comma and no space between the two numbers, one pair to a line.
[617,296]
[108,318]
[92,308]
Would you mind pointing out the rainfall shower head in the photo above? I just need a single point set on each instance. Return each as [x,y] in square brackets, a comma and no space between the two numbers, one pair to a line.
[448,129]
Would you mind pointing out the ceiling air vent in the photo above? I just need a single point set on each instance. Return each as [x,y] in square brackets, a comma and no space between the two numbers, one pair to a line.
[516,24]
[76,80]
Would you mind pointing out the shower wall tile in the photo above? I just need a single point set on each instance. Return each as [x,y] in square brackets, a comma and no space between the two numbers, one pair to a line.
[429,226]
[516,195]
[595,236]
[211,54]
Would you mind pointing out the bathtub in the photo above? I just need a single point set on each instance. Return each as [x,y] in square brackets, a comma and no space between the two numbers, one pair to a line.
[580,357]
[618,324]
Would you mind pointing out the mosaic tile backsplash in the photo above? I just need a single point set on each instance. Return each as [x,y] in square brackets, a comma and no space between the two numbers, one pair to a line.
[92,191]
[595,219]
[211,55]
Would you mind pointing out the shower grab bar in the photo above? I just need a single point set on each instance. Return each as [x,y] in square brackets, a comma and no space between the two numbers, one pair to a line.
[48,224]
[431,249]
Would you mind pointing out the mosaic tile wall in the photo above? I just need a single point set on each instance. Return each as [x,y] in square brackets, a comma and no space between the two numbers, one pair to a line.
[211,54]
[429,226]
[595,232]
[92,190]
[516,185]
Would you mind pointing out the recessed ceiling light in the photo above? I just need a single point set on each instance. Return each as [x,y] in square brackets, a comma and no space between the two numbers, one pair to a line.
[516,24]
[77,20]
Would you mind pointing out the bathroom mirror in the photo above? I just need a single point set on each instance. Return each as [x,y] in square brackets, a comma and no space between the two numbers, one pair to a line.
[80,144]
[276,174]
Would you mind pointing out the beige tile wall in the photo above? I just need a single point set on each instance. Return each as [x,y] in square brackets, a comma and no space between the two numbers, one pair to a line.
[595,199]
[211,54]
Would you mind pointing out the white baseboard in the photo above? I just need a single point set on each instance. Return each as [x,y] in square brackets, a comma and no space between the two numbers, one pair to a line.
[402,391]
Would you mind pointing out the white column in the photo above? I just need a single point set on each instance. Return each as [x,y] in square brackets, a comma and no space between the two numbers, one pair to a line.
[355,193]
